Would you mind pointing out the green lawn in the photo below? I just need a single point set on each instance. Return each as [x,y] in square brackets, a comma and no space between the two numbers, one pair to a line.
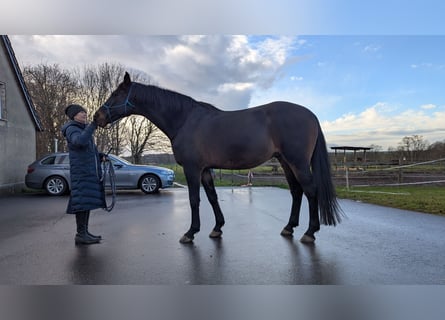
[428,199]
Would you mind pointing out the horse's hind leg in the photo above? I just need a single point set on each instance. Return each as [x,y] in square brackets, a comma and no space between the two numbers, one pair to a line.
[310,191]
[304,177]
[297,195]
[209,187]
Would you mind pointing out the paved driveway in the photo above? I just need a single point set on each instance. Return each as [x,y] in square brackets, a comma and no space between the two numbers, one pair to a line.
[375,245]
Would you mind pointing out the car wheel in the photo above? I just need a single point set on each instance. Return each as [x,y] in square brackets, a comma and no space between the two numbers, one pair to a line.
[56,186]
[150,183]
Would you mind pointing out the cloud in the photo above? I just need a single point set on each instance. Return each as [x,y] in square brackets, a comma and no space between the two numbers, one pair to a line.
[235,72]
[211,67]
[321,103]
[427,66]
[375,125]
[428,106]
[218,69]
[372,48]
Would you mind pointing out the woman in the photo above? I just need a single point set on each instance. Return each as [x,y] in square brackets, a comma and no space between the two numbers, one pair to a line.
[87,192]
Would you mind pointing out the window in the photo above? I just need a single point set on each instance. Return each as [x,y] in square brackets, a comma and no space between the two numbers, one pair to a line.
[49,160]
[63,159]
[2,101]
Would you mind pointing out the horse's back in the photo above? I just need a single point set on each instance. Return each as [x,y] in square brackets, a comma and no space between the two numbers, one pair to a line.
[289,117]
[287,108]
[279,119]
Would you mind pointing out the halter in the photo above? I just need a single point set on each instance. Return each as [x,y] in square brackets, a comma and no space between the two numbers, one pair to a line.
[126,104]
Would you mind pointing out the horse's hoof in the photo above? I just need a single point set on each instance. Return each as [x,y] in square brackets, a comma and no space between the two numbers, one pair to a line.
[215,234]
[286,233]
[185,239]
[307,239]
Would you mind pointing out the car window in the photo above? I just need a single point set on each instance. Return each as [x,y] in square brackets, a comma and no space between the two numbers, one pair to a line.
[63,159]
[49,160]
[117,159]
[66,159]
[114,161]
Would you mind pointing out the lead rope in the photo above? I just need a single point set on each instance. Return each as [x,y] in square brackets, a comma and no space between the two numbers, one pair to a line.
[108,169]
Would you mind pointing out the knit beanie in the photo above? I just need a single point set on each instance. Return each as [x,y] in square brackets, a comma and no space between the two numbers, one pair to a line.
[72,110]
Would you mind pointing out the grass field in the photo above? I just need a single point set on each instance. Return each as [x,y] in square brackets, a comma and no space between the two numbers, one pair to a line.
[428,199]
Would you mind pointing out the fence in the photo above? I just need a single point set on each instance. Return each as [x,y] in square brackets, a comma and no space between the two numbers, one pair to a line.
[422,173]
[352,174]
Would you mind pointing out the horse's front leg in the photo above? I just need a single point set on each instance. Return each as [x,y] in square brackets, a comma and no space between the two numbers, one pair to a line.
[209,187]
[192,176]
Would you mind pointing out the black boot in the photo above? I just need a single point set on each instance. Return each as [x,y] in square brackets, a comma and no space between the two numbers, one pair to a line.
[82,236]
[88,232]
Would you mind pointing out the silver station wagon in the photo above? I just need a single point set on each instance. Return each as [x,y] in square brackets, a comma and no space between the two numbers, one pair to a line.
[52,174]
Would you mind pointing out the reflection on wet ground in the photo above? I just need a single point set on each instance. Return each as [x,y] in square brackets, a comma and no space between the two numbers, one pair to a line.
[374,245]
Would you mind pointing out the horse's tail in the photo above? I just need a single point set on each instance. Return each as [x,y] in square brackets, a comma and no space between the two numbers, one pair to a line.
[330,211]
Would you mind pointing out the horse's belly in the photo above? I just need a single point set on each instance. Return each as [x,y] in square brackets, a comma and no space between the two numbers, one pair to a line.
[239,155]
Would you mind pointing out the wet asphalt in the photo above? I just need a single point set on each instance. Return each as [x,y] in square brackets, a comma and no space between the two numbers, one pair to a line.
[374,245]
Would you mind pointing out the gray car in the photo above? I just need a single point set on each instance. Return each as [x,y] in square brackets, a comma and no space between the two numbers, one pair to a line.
[52,174]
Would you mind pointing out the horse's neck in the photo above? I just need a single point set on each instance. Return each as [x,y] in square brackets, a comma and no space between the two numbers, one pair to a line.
[169,116]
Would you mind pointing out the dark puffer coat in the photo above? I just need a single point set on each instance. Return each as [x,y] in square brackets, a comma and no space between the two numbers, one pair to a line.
[87,192]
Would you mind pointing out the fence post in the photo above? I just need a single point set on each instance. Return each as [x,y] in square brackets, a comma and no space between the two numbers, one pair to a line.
[347,177]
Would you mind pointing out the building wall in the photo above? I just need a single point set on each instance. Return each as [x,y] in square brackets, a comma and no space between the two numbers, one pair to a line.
[17,131]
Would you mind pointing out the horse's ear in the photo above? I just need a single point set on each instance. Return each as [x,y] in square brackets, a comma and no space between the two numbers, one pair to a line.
[127,79]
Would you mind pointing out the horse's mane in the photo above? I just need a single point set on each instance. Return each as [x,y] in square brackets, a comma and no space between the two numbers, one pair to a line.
[168,97]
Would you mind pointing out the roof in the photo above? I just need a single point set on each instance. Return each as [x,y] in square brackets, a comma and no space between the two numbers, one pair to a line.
[350,148]
[21,81]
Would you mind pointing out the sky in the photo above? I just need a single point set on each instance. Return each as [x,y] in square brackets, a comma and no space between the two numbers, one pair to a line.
[372,72]
[364,89]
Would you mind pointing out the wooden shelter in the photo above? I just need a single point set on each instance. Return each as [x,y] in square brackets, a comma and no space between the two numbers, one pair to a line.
[355,159]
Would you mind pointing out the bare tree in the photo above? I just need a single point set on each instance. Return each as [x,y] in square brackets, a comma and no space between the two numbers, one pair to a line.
[139,131]
[419,145]
[375,149]
[413,146]
[97,83]
[437,150]
[139,134]
[51,89]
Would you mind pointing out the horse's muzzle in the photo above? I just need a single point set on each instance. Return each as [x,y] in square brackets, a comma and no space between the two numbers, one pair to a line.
[100,118]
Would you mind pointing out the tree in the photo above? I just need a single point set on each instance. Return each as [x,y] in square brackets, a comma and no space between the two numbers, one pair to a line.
[437,150]
[96,85]
[413,146]
[139,132]
[419,143]
[375,149]
[51,88]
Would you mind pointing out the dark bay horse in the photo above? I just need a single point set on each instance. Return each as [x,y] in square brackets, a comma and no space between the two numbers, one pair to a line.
[204,137]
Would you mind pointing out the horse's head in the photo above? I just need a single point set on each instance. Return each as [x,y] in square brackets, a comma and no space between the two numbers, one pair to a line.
[117,106]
